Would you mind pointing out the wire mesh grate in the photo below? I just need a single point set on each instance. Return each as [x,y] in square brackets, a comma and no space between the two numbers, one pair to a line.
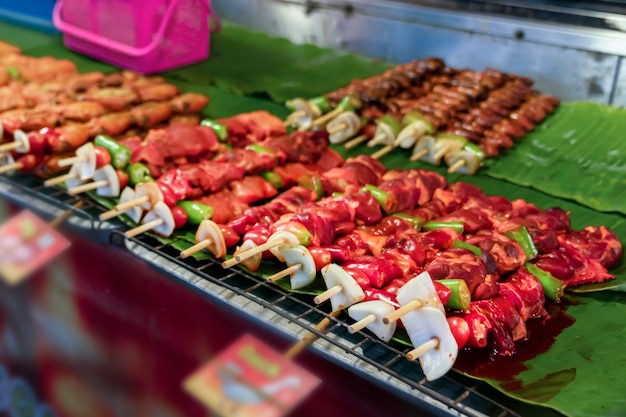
[459,394]
[462,396]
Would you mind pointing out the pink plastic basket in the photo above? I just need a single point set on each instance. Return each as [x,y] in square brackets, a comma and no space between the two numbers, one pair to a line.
[146,36]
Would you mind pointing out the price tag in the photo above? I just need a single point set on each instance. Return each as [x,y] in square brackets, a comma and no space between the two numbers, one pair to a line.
[27,243]
[250,379]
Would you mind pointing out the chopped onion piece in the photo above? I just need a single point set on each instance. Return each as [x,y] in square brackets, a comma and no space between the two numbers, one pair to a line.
[309,112]
[351,292]
[76,181]
[471,163]
[7,159]
[378,309]
[382,136]
[424,324]
[299,255]
[431,297]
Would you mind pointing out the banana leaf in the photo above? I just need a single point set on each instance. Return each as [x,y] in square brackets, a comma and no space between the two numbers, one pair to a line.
[248,62]
[23,37]
[577,153]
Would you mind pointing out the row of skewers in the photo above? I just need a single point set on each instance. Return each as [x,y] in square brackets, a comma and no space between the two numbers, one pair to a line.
[441,113]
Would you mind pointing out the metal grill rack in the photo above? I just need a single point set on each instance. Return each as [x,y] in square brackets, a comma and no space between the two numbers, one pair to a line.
[290,314]
[296,315]
[30,192]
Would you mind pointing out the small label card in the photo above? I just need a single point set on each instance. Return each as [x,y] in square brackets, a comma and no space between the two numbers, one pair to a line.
[250,379]
[27,243]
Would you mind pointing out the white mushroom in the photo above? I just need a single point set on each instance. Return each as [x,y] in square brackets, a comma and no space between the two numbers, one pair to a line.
[209,230]
[463,162]
[163,219]
[299,255]
[22,138]
[344,289]
[252,263]
[304,113]
[134,213]
[371,314]
[343,127]
[411,134]
[383,135]
[75,180]
[151,192]
[87,161]
[112,187]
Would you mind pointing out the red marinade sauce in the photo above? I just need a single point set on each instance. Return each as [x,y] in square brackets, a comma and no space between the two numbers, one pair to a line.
[542,333]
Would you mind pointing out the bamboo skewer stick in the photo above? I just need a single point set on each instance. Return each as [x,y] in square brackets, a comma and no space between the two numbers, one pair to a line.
[196,248]
[354,142]
[328,294]
[337,128]
[87,187]
[60,179]
[454,167]
[285,272]
[420,350]
[398,313]
[361,324]
[11,167]
[383,151]
[7,147]
[144,228]
[71,161]
[418,155]
[310,337]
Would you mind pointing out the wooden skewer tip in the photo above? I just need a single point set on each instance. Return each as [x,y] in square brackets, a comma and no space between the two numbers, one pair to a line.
[143,228]
[418,155]
[361,324]
[59,180]
[285,272]
[87,187]
[454,167]
[395,315]
[382,152]
[11,167]
[196,248]
[420,350]
[328,294]
[355,141]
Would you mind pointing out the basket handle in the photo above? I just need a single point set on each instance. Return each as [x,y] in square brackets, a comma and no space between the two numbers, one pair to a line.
[107,43]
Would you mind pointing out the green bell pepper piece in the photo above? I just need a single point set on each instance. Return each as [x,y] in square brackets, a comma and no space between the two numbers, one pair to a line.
[120,154]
